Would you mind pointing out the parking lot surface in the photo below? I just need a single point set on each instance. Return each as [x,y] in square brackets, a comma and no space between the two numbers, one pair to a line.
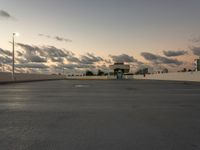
[100,115]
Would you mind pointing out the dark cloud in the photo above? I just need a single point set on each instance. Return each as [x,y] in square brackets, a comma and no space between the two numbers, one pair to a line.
[32,53]
[5,60]
[70,66]
[32,65]
[62,39]
[195,39]
[123,58]
[58,38]
[4,14]
[195,50]
[52,51]
[85,66]
[5,52]
[37,59]
[44,53]
[31,56]
[28,48]
[59,55]
[90,59]
[72,58]
[174,53]
[156,59]
[76,66]
[41,54]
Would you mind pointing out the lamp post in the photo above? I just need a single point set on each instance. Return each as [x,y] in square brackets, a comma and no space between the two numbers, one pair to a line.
[13,55]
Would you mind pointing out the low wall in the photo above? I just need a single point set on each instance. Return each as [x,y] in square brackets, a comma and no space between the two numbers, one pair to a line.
[19,77]
[22,77]
[91,78]
[178,76]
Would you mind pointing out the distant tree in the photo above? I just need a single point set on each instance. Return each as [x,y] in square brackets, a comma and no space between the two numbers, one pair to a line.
[165,70]
[142,71]
[100,73]
[111,73]
[184,70]
[89,73]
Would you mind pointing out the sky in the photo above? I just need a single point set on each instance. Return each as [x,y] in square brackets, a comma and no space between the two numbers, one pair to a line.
[95,33]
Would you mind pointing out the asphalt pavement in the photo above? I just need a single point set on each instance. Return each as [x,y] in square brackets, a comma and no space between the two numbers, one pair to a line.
[100,115]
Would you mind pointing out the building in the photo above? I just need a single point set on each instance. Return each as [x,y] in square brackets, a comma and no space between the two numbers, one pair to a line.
[120,69]
[197,64]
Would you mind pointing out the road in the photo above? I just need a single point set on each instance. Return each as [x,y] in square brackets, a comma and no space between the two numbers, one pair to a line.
[100,115]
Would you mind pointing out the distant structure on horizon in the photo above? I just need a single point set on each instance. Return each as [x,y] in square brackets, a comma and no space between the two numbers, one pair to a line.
[197,64]
[120,69]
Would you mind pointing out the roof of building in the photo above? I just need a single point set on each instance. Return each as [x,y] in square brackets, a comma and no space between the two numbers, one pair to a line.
[120,66]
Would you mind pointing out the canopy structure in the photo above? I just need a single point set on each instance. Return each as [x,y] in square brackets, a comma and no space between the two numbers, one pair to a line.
[120,67]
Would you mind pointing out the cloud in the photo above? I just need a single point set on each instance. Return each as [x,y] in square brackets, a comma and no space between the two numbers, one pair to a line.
[5,52]
[4,14]
[5,56]
[41,54]
[69,66]
[32,65]
[85,62]
[57,38]
[123,58]
[21,60]
[52,51]
[58,55]
[32,53]
[45,53]
[195,39]
[62,39]
[156,59]
[28,48]
[108,61]
[43,35]
[76,66]
[195,50]
[5,60]
[80,64]
[72,58]
[37,59]
[103,68]
[174,53]
[90,59]
[85,66]
[19,53]
[57,59]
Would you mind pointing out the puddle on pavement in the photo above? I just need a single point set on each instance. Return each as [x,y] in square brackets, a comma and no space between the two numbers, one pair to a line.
[82,86]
